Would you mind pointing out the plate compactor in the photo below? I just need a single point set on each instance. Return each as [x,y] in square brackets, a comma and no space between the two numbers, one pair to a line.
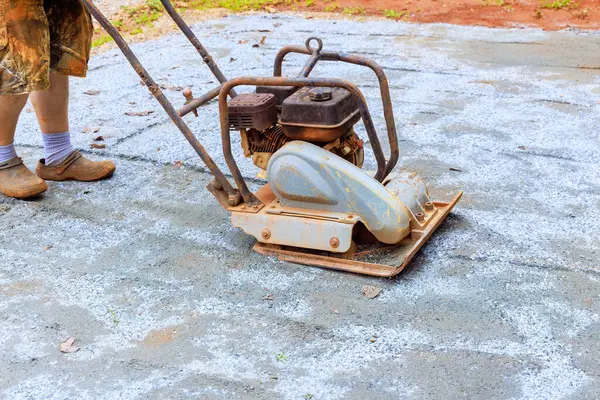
[318,206]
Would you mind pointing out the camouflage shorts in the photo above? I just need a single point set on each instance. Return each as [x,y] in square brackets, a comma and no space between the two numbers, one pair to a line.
[39,36]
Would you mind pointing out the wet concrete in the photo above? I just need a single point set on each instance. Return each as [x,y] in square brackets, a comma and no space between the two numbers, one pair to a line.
[167,300]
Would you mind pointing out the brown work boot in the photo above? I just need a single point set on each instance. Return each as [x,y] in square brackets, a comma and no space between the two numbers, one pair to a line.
[76,167]
[16,180]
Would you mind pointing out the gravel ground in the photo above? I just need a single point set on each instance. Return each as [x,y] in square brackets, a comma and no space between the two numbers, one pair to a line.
[166,300]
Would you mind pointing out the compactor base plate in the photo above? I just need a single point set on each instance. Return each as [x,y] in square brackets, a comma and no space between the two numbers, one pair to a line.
[375,260]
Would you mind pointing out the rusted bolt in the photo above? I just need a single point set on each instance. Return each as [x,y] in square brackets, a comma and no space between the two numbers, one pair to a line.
[420,217]
[320,94]
[189,96]
[429,206]
[187,93]
[266,234]
[234,199]
[334,242]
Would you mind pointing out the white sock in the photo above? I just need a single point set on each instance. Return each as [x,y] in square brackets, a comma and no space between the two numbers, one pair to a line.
[57,147]
[7,152]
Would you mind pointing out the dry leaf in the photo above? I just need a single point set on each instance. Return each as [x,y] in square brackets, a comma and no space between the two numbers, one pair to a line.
[268,297]
[371,291]
[68,346]
[455,169]
[99,138]
[522,147]
[97,146]
[277,24]
[96,130]
[262,41]
[139,113]
[242,42]
[178,164]
[256,45]
[92,92]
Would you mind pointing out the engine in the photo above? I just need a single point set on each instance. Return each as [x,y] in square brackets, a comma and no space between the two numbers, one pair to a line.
[274,116]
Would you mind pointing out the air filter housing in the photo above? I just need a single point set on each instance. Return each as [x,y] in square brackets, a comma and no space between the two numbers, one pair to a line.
[252,110]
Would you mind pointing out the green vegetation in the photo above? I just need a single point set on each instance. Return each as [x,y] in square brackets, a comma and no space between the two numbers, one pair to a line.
[118,23]
[145,14]
[499,3]
[558,4]
[281,357]
[113,314]
[237,5]
[394,14]
[354,10]
[101,40]
[332,8]
[309,3]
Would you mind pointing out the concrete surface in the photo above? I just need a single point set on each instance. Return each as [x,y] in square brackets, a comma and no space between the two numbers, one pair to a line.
[166,300]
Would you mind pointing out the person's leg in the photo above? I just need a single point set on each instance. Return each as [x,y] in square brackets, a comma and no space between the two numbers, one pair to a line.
[10,109]
[52,106]
[24,66]
[15,179]
[71,42]
[52,111]
[61,161]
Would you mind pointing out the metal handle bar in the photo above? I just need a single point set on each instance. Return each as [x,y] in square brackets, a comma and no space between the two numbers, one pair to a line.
[187,31]
[160,97]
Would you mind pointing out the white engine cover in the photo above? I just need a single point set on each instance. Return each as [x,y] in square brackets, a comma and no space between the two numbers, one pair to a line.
[305,176]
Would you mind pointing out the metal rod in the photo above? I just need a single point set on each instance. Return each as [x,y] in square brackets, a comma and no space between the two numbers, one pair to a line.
[158,94]
[248,196]
[199,101]
[310,64]
[388,110]
[187,31]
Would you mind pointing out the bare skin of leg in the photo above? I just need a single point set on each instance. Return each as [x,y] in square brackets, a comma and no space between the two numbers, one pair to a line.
[52,106]
[10,109]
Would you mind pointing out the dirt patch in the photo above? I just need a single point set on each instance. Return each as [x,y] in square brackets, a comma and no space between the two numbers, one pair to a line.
[545,14]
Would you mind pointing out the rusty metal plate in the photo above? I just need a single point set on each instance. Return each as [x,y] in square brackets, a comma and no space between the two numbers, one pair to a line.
[314,232]
[375,260]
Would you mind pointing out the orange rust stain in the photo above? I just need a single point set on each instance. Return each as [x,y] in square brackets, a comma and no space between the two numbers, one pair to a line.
[21,288]
[160,337]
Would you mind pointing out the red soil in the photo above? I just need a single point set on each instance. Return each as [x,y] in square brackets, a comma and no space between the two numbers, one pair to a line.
[582,14]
